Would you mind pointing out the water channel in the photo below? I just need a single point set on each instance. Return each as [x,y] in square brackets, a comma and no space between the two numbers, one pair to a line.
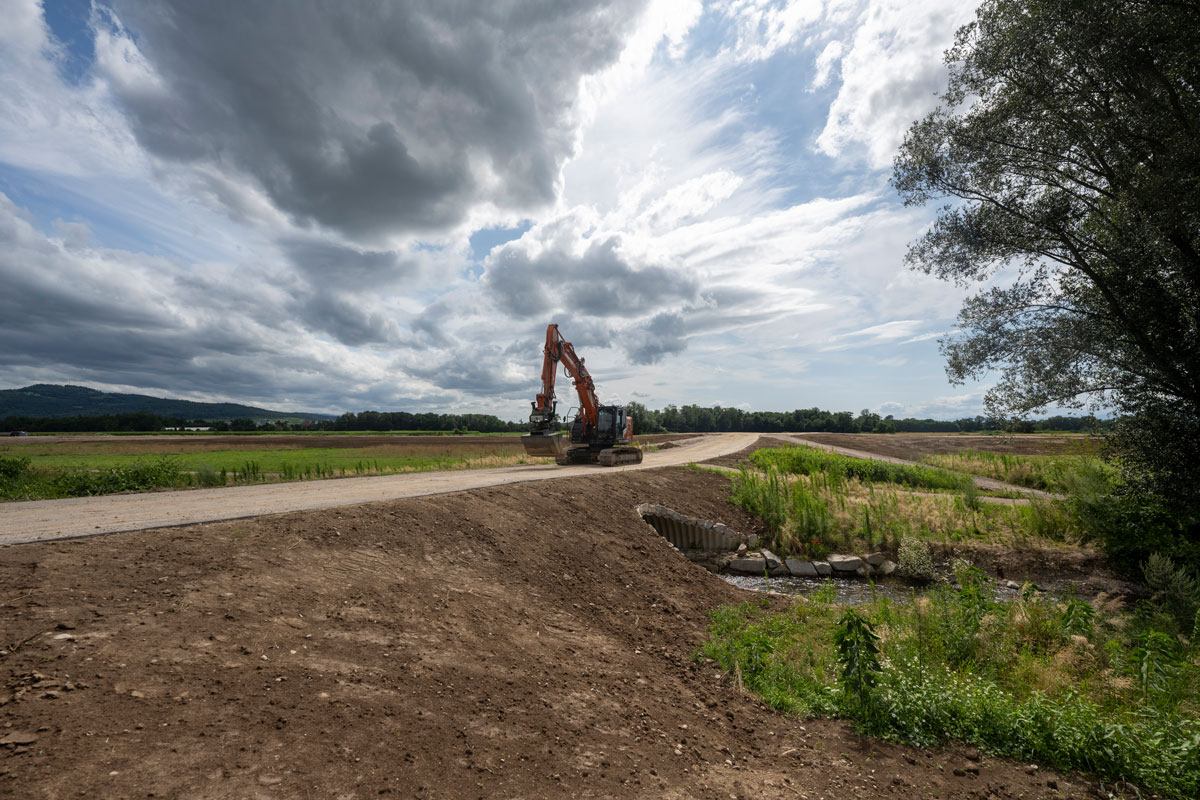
[846,591]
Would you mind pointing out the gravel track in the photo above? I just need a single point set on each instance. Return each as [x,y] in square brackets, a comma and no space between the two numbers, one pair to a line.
[77,517]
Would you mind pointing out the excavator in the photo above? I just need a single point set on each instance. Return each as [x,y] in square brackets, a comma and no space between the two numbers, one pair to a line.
[597,434]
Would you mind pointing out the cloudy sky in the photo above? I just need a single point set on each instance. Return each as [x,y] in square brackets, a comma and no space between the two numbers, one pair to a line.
[338,206]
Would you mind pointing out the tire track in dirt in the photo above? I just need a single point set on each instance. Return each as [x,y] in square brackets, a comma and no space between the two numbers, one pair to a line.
[78,517]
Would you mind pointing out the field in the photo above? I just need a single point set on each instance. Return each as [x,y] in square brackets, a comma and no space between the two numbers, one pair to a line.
[540,639]
[913,446]
[1051,473]
[68,466]
[522,641]
[83,466]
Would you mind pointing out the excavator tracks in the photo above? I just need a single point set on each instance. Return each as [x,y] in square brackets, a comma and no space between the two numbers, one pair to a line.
[619,456]
[608,457]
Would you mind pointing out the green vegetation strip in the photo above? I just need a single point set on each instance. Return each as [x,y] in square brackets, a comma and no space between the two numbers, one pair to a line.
[40,477]
[277,461]
[808,460]
[1050,473]
[1069,683]
[814,503]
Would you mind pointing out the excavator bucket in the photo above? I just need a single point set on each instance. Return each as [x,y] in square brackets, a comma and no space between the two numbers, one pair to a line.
[550,445]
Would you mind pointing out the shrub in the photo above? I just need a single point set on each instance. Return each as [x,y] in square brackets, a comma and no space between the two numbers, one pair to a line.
[858,656]
[1130,525]
[1175,589]
[915,559]
[207,476]
[16,476]
[13,468]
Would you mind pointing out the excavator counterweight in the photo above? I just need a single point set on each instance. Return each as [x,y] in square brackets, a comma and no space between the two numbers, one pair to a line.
[596,435]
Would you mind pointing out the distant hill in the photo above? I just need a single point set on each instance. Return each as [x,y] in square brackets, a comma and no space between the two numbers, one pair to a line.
[51,400]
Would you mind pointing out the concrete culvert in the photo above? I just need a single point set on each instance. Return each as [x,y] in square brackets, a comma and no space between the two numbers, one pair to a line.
[689,534]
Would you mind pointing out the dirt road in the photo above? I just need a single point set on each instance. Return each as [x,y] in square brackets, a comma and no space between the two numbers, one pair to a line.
[521,641]
[42,520]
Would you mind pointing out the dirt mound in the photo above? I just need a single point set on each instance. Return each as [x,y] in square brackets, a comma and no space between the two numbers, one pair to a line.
[520,641]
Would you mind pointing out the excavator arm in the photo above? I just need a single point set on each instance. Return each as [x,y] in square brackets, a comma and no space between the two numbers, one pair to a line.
[559,351]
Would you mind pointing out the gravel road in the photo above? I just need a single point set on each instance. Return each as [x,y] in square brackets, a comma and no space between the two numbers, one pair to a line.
[77,517]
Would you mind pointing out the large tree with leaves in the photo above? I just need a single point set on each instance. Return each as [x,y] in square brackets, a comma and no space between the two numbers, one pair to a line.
[1066,150]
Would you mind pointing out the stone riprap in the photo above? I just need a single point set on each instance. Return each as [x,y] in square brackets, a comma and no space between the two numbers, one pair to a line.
[718,547]
[840,563]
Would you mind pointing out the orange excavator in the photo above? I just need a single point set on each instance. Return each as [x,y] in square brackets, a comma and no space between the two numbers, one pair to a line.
[598,434]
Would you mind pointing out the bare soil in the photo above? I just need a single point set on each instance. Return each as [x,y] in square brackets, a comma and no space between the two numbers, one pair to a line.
[527,640]
[911,446]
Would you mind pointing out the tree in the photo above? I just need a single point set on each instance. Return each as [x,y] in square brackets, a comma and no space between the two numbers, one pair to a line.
[644,420]
[1066,146]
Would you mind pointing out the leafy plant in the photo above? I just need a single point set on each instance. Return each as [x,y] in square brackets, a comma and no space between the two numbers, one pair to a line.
[858,656]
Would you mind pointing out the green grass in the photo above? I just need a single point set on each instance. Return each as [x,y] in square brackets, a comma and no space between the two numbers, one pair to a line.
[351,460]
[811,515]
[810,460]
[1050,473]
[35,473]
[1072,684]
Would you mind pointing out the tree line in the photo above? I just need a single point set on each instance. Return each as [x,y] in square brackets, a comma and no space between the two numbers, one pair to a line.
[700,419]
[361,421]
[672,419]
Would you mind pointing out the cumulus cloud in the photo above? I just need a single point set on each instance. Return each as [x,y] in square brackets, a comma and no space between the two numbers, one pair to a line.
[324,263]
[350,320]
[662,335]
[72,311]
[891,72]
[825,63]
[276,204]
[372,119]
[532,278]
[484,370]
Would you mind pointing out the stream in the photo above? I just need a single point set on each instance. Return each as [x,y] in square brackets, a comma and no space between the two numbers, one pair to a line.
[847,591]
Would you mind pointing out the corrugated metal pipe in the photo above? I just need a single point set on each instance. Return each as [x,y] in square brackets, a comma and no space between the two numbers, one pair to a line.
[688,533]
